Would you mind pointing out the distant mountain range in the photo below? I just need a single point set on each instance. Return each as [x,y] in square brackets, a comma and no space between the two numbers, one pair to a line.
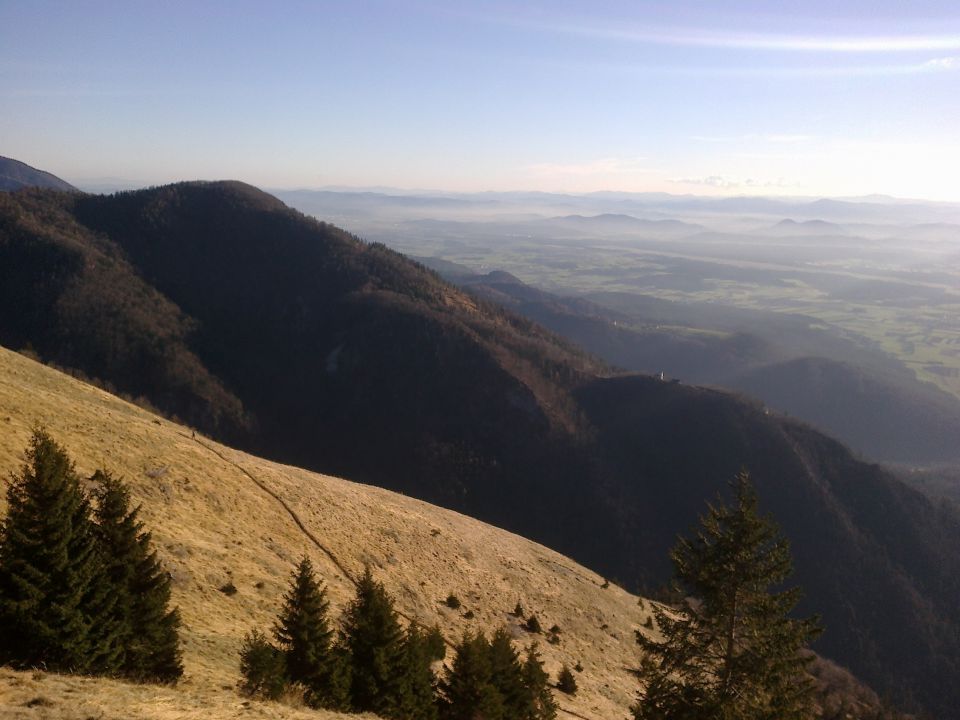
[218,304]
[789,227]
[614,224]
[375,204]
[15,175]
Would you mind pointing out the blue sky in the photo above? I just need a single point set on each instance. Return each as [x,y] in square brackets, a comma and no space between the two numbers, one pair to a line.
[772,98]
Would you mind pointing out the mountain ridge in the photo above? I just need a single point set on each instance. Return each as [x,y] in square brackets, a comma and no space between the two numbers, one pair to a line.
[879,410]
[349,358]
[197,496]
[15,175]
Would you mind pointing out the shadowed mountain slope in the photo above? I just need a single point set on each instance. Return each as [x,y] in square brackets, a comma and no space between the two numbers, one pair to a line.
[75,300]
[350,359]
[218,515]
[877,408]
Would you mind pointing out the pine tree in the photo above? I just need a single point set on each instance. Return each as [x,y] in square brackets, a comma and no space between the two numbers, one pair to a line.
[304,636]
[338,683]
[730,651]
[537,681]
[436,645]
[506,674]
[262,667]
[56,604]
[374,639]
[566,682]
[467,690]
[417,697]
[150,637]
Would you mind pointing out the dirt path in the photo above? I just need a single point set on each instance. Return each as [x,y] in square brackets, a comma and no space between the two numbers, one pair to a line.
[313,538]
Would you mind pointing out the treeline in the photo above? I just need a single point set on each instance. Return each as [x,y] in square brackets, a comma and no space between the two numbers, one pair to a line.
[81,589]
[373,665]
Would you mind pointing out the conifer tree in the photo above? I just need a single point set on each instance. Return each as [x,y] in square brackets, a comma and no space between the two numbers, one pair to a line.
[436,645]
[506,674]
[467,690]
[262,667]
[542,705]
[304,636]
[150,637]
[341,673]
[374,639]
[731,650]
[417,696]
[566,682]
[56,604]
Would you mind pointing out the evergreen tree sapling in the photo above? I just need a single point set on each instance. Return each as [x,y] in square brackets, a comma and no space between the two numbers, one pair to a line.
[303,635]
[373,637]
[338,685]
[731,650]
[467,690]
[537,682]
[487,680]
[150,639]
[506,674]
[262,667]
[436,645]
[566,682]
[417,694]
[56,604]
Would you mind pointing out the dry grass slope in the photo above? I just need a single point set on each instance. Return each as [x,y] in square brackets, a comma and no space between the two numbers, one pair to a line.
[42,696]
[221,516]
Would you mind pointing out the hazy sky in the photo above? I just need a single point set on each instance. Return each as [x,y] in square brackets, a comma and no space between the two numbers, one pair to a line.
[816,98]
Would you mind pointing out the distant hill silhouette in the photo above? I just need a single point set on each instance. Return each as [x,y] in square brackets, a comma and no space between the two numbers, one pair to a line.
[316,348]
[789,227]
[615,223]
[15,175]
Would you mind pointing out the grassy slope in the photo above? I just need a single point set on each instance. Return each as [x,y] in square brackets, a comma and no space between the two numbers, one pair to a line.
[214,523]
[41,696]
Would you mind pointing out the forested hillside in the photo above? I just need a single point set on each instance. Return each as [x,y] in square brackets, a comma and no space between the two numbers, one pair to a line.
[312,347]
[868,400]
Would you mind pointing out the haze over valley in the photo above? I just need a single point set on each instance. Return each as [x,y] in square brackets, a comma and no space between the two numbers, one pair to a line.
[779,299]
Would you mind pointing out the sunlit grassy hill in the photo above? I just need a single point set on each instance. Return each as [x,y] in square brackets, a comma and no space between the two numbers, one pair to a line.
[220,516]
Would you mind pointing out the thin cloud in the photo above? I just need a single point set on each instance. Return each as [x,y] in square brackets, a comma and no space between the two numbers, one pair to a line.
[774,42]
[944,63]
[938,65]
[772,138]
[717,181]
[725,182]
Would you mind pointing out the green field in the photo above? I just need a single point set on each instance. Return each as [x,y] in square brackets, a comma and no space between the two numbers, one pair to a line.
[915,319]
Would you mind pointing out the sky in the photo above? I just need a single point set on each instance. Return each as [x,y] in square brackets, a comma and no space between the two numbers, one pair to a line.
[820,98]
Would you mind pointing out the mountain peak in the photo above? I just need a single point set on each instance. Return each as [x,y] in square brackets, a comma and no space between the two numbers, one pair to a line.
[15,175]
